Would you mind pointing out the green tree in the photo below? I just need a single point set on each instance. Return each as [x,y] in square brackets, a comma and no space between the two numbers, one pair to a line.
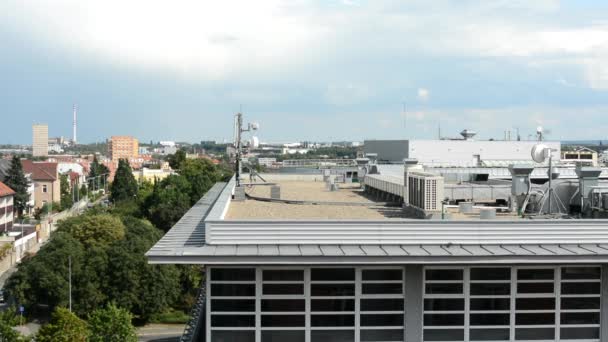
[111,324]
[43,279]
[97,229]
[83,191]
[8,334]
[64,327]
[98,174]
[124,186]
[133,283]
[15,179]
[176,160]
[66,194]
[201,174]
[169,201]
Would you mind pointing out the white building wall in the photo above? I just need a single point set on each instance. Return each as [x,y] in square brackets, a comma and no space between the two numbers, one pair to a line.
[463,153]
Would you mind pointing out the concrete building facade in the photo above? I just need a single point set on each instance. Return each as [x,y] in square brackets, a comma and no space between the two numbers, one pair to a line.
[306,267]
[123,147]
[40,140]
[6,207]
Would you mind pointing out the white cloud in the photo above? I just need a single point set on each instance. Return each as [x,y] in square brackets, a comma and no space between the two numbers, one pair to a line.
[423,94]
[232,39]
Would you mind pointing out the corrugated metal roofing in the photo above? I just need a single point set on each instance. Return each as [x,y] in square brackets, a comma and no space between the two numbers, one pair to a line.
[294,254]
[189,231]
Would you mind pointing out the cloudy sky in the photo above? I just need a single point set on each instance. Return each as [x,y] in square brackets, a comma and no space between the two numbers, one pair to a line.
[315,70]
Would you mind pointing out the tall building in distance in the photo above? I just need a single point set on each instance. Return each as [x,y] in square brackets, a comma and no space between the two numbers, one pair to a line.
[74,123]
[40,141]
[123,147]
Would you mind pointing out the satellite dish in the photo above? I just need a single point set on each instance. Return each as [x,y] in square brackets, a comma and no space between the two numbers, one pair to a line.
[540,153]
[255,126]
[539,129]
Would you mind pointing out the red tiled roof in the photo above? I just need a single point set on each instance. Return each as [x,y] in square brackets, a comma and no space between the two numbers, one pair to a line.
[5,190]
[40,171]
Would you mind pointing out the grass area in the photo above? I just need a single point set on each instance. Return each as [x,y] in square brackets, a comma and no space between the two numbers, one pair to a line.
[171,317]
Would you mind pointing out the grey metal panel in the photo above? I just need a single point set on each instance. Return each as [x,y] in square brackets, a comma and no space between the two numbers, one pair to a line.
[310,250]
[435,250]
[576,249]
[557,249]
[476,250]
[225,250]
[247,250]
[413,303]
[331,250]
[407,232]
[539,250]
[394,250]
[268,250]
[379,260]
[594,248]
[289,250]
[518,250]
[456,250]
[415,250]
[387,150]
[373,250]
[352,250]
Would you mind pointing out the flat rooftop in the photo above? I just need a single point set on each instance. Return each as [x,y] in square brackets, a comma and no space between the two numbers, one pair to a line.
[309,199]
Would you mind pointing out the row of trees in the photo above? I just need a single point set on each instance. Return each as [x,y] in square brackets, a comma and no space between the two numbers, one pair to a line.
[107,249]
[107,265]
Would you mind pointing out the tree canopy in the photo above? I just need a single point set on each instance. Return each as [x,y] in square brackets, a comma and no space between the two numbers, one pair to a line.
[124,186]
[175,160]
[111,324]
[105,267]
[16,180]
[102,229]
[67,199]
[96,170]
[64,327]
[169,201]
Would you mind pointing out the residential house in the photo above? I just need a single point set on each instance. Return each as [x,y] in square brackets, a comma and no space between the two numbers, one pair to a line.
[45,178]
[6,207]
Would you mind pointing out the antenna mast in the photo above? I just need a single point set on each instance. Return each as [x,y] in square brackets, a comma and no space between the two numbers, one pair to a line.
[74,123]
[404,121]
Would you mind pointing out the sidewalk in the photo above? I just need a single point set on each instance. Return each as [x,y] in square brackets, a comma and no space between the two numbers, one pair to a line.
[160,332]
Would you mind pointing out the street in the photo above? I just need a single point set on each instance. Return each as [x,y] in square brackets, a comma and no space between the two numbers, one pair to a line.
[160,333]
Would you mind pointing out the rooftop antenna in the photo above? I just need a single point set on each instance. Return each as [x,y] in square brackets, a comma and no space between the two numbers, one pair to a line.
[439,130]
[74,126]
[238,142]
[539,133]
[404,121]
[540,154]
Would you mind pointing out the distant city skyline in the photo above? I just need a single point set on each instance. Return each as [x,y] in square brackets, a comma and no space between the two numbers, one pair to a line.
[323,71]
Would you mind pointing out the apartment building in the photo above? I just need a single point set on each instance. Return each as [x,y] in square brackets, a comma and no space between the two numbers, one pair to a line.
[123,147]
[6,207]
[40,140]
[45,178]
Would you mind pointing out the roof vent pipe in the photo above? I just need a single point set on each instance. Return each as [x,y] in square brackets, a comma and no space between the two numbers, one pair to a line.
[587,179]
[520,184]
